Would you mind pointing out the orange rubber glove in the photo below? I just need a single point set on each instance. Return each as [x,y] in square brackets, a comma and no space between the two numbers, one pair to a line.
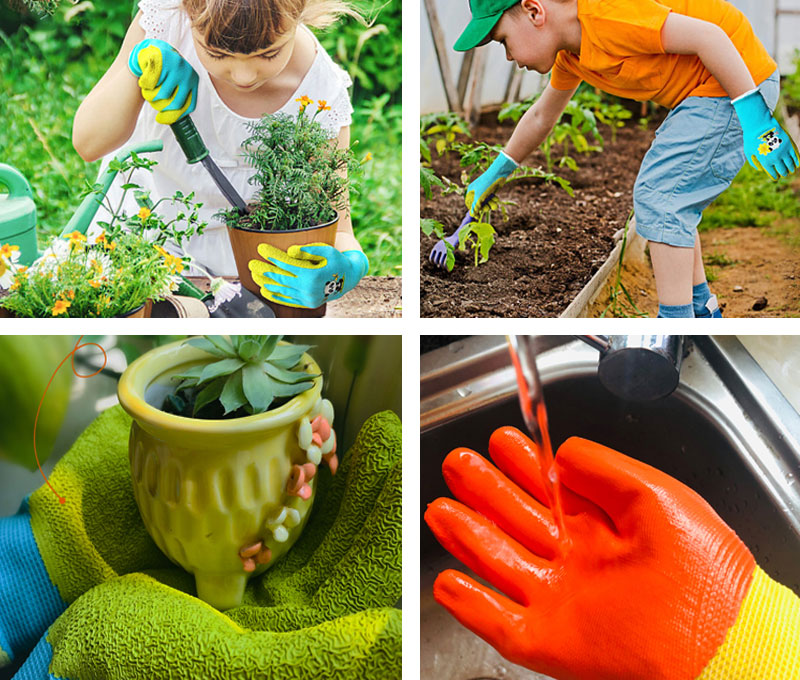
[648,588]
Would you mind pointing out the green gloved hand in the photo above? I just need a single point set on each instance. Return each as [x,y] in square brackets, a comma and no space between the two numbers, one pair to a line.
[166,79]
[324,610]
[50,553]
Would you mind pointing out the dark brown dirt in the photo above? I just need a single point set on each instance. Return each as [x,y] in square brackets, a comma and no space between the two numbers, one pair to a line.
[551,245]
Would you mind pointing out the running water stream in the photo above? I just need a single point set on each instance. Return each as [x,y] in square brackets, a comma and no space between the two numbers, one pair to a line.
[534,413]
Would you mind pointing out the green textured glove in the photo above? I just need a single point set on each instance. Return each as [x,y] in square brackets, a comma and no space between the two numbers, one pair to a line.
[324,610]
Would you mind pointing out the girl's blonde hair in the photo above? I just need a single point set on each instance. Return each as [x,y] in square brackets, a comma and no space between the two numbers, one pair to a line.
[246,26]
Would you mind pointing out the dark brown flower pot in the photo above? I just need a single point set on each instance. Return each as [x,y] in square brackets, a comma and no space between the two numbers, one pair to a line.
[245,244]
[141,312]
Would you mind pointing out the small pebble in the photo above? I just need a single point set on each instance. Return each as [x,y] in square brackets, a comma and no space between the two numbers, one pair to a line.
[249,564]
[326,410]
[759,304]
[737,289]
[264,556]
[250,550]
[304,434]
[314,454]
[280,534]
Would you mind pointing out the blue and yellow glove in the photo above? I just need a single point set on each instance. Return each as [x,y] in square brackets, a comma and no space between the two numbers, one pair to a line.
[307,276]
[167,80]
[50,553]
[325,610]
[767,146]
[486,185]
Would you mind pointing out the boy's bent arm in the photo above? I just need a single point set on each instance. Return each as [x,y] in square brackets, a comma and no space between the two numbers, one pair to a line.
[105,120]
[687,35]
[537,122]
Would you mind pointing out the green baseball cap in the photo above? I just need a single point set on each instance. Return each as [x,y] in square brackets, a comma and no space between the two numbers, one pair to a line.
[485,15]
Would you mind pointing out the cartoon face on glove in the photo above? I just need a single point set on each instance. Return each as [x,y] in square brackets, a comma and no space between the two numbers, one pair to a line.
[769,142]
[334,286]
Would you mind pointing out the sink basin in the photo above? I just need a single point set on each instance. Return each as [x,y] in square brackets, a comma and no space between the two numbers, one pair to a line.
[726,432]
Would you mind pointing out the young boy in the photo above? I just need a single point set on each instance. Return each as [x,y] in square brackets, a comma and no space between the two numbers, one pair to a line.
[699,58]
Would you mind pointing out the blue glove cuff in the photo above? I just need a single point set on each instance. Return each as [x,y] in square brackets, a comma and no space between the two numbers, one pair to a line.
[751,109]
[502,166]
[29,602]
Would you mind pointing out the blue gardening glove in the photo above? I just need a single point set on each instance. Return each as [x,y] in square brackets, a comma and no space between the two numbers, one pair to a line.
[307,276]
[767,146]
[484,186]
[50,553]
[167,80]
[325,610]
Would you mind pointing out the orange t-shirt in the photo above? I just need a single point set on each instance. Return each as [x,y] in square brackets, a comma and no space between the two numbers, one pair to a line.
[622,54]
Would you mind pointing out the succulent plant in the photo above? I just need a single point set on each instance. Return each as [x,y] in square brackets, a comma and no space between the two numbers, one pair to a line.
[252,373]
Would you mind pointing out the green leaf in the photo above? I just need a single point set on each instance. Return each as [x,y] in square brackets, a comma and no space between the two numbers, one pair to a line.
[450,260]
[257,388]
[233,396]
[221,344]
[219,369]
[192,373]
[290,377]
[208,394]
[268,346]
[208,346]
[288,356]
[249,347]
[485,234]
[284,390]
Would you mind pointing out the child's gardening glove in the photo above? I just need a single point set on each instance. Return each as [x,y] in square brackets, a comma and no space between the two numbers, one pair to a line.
[652,586]
[167,80]
[50,553]
[307,276]
[767,146]
[484,186]
[325,610]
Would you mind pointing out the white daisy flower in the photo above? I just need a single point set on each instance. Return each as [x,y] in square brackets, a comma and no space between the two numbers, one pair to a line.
[223,291]
[9,256]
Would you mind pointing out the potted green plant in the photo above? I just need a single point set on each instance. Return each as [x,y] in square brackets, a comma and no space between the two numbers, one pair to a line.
[227,437]
[117,271]
[303,182]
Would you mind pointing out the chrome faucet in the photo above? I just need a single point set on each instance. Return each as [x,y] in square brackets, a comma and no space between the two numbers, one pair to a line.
[638,367]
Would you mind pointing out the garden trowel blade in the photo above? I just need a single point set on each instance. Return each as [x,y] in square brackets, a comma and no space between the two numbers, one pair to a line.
[224,185]
[247,305]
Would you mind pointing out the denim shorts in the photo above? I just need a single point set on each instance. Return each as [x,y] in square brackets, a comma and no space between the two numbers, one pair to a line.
[697,152]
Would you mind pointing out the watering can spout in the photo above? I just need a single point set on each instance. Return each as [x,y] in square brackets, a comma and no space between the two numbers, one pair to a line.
[86,211]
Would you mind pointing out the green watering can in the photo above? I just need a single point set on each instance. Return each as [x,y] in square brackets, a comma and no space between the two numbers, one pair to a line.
[18,212]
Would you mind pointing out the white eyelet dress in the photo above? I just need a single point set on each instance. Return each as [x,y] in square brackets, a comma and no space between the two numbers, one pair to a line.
[223,132]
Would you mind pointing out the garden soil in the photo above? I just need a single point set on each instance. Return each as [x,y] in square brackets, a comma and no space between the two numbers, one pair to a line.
[551,245]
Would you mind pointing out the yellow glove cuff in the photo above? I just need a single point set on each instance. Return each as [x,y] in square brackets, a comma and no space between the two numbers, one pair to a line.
[764,643]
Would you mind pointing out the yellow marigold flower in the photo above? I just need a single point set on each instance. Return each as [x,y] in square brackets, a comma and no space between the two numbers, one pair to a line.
[161,250]
[368,157]
[94,283]
[109,246]
[144,213]
[174,264]
[7,249]
[304,101]
[76,238]
[70,294]
[61,307]
[322,105]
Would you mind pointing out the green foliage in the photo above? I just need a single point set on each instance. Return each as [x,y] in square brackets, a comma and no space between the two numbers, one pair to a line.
[753,200]
[371,54]
[441,129]
[575,125]
[790,87]
[301,176]
[250,373]
[377,211]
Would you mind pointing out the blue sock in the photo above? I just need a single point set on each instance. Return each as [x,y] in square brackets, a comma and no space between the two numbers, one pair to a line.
[700,295]
[675,311]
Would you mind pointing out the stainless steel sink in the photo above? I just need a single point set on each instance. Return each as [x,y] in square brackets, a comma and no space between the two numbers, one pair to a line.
[727,432]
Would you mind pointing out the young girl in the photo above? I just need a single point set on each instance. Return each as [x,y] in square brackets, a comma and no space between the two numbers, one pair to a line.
[252,57]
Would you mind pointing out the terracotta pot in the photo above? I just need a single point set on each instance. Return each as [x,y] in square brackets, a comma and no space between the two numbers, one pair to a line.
[245,244]
[208,489]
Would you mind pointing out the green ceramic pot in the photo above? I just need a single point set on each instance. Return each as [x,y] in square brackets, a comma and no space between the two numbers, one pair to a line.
[208,490]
